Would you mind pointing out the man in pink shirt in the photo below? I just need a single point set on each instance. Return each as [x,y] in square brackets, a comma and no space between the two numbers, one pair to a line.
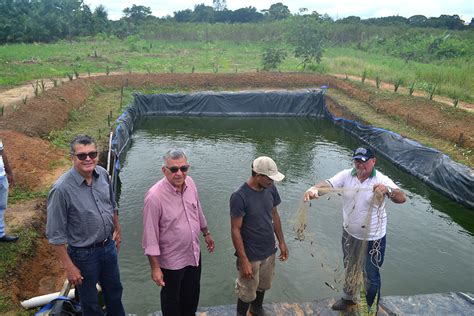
[172,220]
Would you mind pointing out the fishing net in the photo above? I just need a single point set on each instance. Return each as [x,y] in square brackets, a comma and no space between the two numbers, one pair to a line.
[350,277]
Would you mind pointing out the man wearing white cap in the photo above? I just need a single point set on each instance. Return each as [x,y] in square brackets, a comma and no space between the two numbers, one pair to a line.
[254,224]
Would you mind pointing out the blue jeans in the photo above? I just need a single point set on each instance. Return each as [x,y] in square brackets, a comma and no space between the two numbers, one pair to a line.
[371,259]
[99,265]
[3,203]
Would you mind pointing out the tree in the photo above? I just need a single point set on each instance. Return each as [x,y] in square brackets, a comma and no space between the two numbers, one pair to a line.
[452,22]
[137,13]
[203,13]
[219,5]
[277,11]
[309,39]
[417,20]
[352,19]
[100,20]
[272,57]
[245,15]
[183,15]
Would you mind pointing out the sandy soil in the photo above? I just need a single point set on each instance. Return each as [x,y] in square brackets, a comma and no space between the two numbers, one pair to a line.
[35,161]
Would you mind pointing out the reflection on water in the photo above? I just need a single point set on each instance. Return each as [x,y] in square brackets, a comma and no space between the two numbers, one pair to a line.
[429,240]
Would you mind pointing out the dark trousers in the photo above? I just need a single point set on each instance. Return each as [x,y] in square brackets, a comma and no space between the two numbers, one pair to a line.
[371,260]
[99,265]
[180,295]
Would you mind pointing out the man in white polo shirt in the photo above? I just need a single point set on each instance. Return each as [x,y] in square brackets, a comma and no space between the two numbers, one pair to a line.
[364,222]
[6,179]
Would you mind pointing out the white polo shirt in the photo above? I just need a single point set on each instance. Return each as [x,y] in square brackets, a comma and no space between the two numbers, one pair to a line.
[357,204]
[2,166]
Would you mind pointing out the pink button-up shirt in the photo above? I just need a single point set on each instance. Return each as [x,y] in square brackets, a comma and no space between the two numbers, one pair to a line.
[172,221]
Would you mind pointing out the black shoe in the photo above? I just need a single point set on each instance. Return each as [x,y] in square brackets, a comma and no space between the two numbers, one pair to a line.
[7,238]
[242,307]
[256,308]
[342,304]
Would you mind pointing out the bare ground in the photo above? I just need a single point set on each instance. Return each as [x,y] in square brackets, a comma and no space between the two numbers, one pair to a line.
[36,164]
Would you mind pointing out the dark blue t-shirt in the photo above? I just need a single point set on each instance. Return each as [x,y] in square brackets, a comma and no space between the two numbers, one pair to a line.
[257,226]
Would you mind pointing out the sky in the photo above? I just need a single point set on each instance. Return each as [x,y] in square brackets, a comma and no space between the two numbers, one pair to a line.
[337,9]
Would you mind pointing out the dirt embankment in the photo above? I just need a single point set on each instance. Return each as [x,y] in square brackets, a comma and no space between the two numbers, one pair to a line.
[24,131]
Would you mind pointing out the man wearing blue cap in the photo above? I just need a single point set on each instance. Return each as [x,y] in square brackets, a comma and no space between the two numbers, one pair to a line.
[364,223]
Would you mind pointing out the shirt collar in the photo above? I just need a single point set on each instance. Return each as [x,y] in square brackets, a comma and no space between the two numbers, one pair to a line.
[79,178]
[173,188]
[354,172]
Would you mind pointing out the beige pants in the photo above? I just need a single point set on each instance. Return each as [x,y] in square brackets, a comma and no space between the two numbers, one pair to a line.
[263,272]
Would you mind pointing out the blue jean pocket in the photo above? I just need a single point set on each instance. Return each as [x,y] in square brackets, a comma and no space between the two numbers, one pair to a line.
[80,254]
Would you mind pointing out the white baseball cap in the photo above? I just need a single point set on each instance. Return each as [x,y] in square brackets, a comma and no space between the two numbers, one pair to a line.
[266,166]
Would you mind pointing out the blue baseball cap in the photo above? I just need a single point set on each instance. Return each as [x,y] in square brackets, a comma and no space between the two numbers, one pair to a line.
[363,153]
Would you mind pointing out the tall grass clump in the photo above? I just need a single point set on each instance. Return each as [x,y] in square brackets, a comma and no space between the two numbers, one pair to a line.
[36,88]
[378,81]
[411,89]
[364,75]
[397,84]
[432,91]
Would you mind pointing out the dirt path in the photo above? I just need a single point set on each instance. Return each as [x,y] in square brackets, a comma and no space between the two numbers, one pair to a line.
[15,96]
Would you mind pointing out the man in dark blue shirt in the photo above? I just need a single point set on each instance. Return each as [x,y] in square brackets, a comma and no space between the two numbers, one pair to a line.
[254,224]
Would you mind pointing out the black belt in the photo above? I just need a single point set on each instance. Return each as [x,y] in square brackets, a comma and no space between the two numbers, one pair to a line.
[96,245]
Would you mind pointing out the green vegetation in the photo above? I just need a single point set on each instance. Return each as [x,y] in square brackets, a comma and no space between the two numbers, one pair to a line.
[11,255]
[272,57]
[20,63]
[46,21]
[428,50]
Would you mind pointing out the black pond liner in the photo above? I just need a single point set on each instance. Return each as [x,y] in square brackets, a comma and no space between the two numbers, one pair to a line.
[429,165]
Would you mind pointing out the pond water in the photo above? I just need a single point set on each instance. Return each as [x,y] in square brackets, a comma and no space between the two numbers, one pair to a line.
[430,243]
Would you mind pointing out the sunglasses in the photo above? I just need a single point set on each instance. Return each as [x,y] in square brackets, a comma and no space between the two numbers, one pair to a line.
[361,160]
[175,169]
[83,156]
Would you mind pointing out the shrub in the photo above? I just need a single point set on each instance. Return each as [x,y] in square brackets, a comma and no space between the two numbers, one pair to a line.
[272,57]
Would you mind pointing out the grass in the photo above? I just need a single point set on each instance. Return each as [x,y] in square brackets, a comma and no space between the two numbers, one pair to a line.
[11,254]
[399,126]
[20,63]
[452,78]
[20,194]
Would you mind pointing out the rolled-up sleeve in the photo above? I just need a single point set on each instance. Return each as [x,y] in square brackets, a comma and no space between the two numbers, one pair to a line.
[57,217]
[151,229]
[202,218]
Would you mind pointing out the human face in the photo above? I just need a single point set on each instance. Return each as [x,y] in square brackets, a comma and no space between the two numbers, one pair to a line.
[84,167]
[263,181]
[177,178]
[364,169]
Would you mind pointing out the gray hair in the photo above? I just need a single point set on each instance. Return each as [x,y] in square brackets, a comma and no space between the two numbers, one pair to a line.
[173,154]
[81,139]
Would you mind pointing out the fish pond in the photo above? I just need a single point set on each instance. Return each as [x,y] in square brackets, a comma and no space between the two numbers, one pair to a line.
[430,239]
